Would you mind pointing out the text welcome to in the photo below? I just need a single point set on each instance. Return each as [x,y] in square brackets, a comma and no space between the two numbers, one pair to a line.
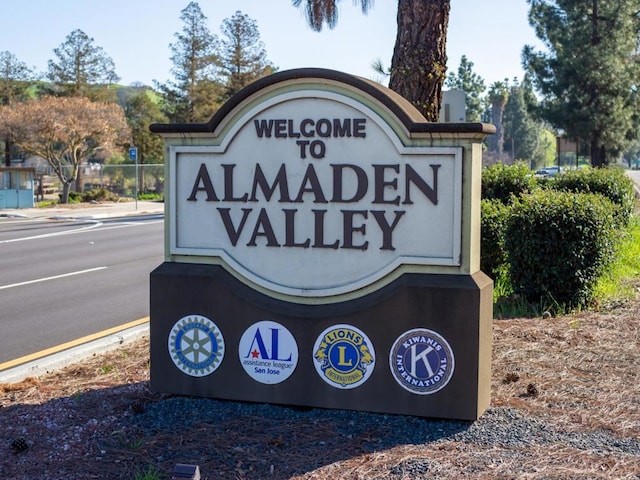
[367,200]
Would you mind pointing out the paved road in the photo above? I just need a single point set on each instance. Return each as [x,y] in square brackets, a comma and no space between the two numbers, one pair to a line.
[63,279]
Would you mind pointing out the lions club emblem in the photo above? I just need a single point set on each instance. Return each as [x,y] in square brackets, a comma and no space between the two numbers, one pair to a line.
[344,356]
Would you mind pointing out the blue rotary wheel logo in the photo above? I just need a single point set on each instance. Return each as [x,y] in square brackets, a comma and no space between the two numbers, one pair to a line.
[196,345]
[421,361]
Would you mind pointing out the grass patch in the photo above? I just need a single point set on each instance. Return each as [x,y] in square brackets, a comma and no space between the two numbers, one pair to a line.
[151,196]
[619,284]
[151,473]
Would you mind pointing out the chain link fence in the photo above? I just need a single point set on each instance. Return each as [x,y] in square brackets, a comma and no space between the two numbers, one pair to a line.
[117,179]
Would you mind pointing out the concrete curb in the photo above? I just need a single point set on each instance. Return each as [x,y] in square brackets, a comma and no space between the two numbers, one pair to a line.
[49,363]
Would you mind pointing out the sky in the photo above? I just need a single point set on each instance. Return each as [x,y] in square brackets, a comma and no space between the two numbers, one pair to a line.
[136,34]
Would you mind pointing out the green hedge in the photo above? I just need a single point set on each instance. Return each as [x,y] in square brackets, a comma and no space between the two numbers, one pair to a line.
[558,244]
[610,182]
[506,182]
[493,225]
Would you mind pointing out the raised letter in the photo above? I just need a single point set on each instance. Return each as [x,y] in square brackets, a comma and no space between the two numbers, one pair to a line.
[207,186]
[303,147]
[281,128]
[317,152]
[342,129]
[385,228]
[228,185]
[259,180]
[413,177]
[312,177]
[263,128]
[359,125]
[381,184]
[289,229]
[362,183]
[290,131]
[347,225]
[232,232]
[323,127]
[318,216]
[303,128]
[266,231]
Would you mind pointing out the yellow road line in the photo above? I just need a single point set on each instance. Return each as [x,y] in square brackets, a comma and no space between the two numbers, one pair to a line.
[71,344]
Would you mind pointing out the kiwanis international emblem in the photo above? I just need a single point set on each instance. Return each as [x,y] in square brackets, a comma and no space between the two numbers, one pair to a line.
[344,356]
[196,345]
[421,361]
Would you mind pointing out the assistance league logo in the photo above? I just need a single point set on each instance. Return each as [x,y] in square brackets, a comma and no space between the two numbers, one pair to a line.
[196,345]
[421,361]
[344,356]
[268,352]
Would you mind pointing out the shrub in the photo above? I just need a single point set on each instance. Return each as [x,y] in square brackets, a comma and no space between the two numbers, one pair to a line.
[558,245]
[610,182]
[74,197]
[151,196]
[504,182]
[99,195]
[493,224]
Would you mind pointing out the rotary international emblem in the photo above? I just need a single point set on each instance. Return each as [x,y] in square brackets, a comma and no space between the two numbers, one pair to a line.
[196,345]
[344,356]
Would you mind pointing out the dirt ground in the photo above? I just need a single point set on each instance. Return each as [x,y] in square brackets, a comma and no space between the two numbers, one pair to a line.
[575,374]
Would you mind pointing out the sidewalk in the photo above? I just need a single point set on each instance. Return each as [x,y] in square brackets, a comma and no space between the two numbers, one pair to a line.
[87,210]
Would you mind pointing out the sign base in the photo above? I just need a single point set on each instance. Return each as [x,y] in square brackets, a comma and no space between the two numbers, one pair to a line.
[419,346]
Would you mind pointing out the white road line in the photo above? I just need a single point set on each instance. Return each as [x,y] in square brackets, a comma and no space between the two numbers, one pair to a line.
[45,279]
[56,234]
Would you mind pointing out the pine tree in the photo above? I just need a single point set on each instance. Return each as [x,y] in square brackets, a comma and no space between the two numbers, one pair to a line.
[589,77]
[80,65]
[525,137]
[193,95]
[15,79]
[243,57]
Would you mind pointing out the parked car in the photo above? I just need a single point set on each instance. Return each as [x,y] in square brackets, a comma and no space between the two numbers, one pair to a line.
[545,172]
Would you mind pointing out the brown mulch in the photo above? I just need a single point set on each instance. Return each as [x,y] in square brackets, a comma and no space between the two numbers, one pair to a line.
[572,375]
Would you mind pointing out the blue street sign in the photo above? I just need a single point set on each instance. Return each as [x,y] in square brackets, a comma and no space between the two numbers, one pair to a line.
[133,153]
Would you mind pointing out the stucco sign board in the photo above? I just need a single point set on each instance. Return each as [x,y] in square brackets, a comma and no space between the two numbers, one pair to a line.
[313,193]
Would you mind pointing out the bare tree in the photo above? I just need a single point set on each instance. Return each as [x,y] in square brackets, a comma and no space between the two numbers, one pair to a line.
[64,131]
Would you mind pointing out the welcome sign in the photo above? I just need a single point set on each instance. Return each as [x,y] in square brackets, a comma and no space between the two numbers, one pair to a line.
[322,240]
[284,190]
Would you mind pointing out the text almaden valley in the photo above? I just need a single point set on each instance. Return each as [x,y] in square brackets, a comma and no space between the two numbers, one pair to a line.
[282,204]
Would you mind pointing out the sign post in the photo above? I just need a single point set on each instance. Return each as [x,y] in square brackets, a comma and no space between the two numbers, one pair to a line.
[322,249]
[133,155]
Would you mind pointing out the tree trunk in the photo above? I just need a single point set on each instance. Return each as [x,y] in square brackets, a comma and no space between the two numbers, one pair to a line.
[79,180]
[598,153]
[7,152]
[64,196]
[419,63]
